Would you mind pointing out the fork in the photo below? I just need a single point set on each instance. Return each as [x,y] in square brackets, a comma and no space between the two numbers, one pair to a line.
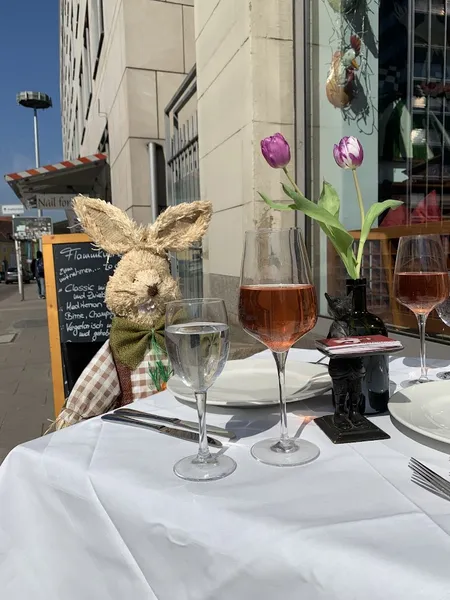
[429,480]
[317,362]
[427,486]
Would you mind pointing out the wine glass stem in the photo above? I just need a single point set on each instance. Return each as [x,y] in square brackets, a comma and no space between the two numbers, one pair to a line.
[422,320]
[203,449]
[280,360]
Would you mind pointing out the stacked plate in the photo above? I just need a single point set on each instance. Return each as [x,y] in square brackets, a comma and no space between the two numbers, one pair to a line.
[425,409]
[254,382]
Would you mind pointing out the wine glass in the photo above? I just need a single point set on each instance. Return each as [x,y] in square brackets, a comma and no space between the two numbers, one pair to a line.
[277,306]
[197,344]
[421,282]
[443,310]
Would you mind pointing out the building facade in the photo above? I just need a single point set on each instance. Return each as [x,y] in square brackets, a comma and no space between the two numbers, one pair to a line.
[120,63]
[319,71]
[7,248]
[315,71]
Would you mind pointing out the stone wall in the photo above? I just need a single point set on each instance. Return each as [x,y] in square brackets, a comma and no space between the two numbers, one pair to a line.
[245,66]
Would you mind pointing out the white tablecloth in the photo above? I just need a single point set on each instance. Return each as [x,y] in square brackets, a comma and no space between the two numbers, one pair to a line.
[95,512]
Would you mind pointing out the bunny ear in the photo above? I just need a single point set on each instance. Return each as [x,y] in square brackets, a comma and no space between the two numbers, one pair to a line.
[107,225]
[179,226]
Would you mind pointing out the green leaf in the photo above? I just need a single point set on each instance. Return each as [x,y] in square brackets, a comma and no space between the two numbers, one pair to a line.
[312,210]
[276,205]
[375,211]
[343,244]
[329,199]
[329,223]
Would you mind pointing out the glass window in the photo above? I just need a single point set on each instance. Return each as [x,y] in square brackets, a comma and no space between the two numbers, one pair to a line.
[77,20]
[380,71]
[79,122]
[82,92]
[103,146]
[87,68]
[96,31]
[75,137]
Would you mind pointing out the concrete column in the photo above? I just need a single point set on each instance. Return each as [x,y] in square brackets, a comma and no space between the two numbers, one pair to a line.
[245,72]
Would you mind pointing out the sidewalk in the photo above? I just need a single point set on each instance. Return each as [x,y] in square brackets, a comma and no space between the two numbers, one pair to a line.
[26,400]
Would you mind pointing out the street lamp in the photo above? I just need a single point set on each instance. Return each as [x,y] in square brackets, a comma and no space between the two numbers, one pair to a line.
[36,101]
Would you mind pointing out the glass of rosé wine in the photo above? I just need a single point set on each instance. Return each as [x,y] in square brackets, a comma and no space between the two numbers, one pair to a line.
[443,311]
[277,306]
[421,282]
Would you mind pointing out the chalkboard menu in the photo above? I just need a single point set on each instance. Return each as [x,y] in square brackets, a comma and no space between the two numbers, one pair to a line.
[81,273]
[76,274]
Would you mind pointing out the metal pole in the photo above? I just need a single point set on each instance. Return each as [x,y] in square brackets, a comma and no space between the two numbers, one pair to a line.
[38,159]
[36,138]
[19,268]
[153,180]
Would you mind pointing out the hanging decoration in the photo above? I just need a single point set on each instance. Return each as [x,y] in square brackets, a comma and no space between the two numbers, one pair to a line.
[340,86]
[343,6]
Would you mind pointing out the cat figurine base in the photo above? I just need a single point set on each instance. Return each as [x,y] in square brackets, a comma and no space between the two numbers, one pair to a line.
[347,374]
[348,425]
[368,433]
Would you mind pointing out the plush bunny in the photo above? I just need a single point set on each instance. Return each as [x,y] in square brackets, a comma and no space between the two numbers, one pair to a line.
[132,364]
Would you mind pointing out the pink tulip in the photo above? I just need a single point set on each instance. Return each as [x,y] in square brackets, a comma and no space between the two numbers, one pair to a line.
[276,151]
[349,153]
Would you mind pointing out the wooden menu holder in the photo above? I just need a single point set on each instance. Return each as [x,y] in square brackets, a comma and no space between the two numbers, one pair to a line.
[48,241]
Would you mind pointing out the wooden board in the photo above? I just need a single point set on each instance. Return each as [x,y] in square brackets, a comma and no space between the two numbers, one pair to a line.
[76,274]
[52,318]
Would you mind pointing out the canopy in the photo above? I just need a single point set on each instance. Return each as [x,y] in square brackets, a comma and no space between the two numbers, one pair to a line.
[87,175]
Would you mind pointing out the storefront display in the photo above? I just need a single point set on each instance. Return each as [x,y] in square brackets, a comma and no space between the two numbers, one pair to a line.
[384,67]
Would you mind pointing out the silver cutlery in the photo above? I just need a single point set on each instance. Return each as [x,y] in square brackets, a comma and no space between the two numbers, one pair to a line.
[318,361]
[429,480]
[427,486]
[192,425]
[190,436]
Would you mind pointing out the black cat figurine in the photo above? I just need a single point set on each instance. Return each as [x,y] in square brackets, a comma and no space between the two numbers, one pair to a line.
[347,374]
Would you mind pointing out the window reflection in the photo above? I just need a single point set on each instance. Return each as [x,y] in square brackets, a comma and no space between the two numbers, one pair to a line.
[398,105]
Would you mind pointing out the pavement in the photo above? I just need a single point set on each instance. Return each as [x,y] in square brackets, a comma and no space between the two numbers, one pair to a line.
[26,399]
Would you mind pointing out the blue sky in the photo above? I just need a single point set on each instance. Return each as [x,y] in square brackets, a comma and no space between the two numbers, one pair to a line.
[29,60]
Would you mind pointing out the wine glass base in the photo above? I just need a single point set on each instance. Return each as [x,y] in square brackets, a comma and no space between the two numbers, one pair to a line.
[216,467]
[445,375]
[270,452]
[416,382]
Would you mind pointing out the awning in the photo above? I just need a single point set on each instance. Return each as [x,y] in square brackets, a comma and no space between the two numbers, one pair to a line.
[87,175]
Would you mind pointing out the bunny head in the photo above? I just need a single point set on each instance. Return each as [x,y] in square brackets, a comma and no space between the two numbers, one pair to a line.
[142,283]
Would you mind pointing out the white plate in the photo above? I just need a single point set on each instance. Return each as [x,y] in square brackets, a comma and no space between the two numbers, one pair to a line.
[255,382]
[424,408]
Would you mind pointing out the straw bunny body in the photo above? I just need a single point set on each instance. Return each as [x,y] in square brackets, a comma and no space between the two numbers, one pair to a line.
[132,363]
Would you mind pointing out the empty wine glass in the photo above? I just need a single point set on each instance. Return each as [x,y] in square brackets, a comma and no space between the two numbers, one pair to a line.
[443,310]
[421,282]
[277,306]
[197,345]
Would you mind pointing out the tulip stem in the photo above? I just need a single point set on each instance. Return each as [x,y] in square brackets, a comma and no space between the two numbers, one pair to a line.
[294,185]
[361,208]
[359,196]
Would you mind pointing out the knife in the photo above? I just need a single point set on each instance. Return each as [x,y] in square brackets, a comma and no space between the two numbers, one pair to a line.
[190,436]
[139,414]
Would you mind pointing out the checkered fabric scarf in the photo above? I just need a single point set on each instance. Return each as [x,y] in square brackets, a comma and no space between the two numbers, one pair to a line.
[98,388]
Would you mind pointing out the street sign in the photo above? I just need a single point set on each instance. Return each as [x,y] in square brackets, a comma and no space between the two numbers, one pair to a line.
[54,200]
[9,210]
[31,228]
